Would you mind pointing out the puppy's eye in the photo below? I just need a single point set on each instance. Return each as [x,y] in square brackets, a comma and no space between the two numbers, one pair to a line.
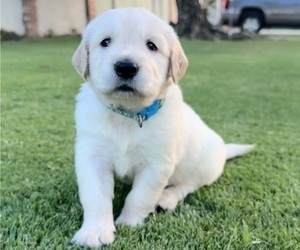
[106,42]
[151,46]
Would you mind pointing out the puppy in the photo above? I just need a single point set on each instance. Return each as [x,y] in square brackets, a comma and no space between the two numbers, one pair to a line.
[132,123]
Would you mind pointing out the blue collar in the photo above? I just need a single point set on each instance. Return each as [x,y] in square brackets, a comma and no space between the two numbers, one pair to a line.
[142,115]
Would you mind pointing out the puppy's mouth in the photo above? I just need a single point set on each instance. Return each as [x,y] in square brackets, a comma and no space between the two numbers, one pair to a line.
[125,91]
[125,88]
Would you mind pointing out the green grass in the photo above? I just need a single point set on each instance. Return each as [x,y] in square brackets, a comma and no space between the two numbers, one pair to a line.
[247,91]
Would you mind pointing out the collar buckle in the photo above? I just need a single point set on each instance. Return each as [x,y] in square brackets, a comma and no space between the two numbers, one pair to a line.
[140,120]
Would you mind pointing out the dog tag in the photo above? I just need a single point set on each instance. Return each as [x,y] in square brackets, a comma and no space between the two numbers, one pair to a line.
[140,120]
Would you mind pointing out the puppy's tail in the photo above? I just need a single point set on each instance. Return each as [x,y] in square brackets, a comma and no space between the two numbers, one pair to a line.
[235,150]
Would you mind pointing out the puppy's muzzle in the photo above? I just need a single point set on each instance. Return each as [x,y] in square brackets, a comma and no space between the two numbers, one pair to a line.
[126,69]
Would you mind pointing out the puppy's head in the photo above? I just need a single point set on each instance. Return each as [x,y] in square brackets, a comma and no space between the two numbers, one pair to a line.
[129,57]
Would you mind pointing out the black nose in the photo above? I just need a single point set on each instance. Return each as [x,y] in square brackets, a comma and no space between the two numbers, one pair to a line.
[126,69]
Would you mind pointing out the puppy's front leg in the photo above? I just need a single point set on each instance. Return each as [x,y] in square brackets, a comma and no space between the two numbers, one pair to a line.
[96,183]
[146,190]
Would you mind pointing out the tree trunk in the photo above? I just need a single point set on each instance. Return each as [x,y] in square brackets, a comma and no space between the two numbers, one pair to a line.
[193,24]
[192,21]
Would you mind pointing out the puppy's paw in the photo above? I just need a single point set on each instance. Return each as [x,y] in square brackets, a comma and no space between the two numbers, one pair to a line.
[94,237]
[168,200]
[129,220]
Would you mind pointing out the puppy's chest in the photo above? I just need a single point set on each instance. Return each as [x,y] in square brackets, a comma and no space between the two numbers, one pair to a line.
[127,161]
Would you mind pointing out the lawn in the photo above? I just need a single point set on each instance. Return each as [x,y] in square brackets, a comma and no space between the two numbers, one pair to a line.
[247,91]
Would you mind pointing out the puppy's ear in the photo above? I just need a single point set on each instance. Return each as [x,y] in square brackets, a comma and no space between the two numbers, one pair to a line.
[80,59]
[178,62]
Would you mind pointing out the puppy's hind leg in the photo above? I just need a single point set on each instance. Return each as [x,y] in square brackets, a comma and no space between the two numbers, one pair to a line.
[191,177]
[173,194]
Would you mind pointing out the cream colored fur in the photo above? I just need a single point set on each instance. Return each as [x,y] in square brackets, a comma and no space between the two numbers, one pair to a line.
[172,155]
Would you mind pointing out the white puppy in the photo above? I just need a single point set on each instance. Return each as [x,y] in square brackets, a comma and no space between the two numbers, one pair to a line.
[132,122]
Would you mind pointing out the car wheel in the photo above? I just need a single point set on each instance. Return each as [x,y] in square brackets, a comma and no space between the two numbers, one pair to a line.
[251,21]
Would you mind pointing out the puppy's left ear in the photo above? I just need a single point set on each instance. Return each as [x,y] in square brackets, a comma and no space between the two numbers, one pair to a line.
[178,61]
[80,59]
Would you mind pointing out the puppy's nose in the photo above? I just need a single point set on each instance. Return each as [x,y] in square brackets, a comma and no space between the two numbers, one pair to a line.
[126,69]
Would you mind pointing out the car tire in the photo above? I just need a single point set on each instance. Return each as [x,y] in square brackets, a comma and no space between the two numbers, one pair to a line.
[251,21]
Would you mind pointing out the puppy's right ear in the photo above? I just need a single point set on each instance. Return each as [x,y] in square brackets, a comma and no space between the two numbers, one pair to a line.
[80,59]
